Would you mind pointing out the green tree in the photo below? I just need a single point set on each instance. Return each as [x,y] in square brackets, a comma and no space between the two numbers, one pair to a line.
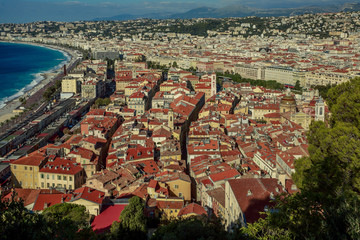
[175,65]
[102,102]
[306,216]
[297,86]
[344,102]
[323,90]
[263,229]
[132,217]
[67,219]
[334,163]
[132,223]
[22,100]
[191,228]
[271,84]
[16,222]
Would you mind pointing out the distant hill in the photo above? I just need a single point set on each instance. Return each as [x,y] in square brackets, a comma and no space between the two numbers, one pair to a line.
[122,17]
[195,13]
[238,10]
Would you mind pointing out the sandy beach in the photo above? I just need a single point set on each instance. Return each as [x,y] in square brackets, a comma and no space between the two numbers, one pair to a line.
[11,107]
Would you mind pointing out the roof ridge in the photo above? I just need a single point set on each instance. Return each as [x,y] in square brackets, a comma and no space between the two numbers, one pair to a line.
[261,184]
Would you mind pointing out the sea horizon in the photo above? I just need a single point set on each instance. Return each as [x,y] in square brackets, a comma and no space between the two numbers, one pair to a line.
[22,66]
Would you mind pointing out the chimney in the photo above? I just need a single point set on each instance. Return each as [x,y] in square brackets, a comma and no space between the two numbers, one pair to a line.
[64,70]
[46,205]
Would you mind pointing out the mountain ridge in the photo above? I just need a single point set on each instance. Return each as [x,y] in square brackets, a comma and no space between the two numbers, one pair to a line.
[238,10]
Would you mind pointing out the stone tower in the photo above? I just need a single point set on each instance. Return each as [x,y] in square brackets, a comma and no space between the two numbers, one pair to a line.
[171,119]
[319,110]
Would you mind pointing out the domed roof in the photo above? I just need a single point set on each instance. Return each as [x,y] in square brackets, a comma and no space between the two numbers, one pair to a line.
[288,100]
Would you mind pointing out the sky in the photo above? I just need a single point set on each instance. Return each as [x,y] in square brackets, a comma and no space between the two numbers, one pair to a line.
[20,11]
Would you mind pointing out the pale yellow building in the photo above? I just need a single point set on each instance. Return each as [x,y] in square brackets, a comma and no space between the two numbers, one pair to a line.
[71,85]
[302,119]
[91,198]
[61,174]
[25,171]
[179,184]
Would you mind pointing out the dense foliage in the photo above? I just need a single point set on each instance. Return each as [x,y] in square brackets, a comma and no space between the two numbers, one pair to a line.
[323,90]
[237,78]
[51,91]
[66,219]
[100,102]
[155,65]
[199,28]
[16,222]
[191,228]
[61,221]
[132,224]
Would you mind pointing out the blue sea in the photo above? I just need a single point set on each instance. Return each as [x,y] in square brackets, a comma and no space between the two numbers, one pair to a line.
[21,66]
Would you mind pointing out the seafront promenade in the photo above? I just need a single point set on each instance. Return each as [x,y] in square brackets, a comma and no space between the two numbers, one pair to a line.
[35,94]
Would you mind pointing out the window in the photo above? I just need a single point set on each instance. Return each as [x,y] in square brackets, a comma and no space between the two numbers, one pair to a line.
[176,186]
[25,168]
[70,178]
[14,167]
[70,187]
[180,195]
[53,177]
[30,168]
[64,178]
[59,177]
[48,185]
[42,184]
[47,176]
[42,176]
[64,185]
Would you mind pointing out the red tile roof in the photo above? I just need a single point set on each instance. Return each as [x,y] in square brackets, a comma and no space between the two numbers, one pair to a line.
[192,208]
[29,196]
[48,200]
[253,194]
[89,194]
[232,173]
[168,204]
[61,166]
[153,183]
[33,159]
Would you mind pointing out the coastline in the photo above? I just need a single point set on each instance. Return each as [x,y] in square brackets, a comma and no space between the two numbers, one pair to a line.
[40,80]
